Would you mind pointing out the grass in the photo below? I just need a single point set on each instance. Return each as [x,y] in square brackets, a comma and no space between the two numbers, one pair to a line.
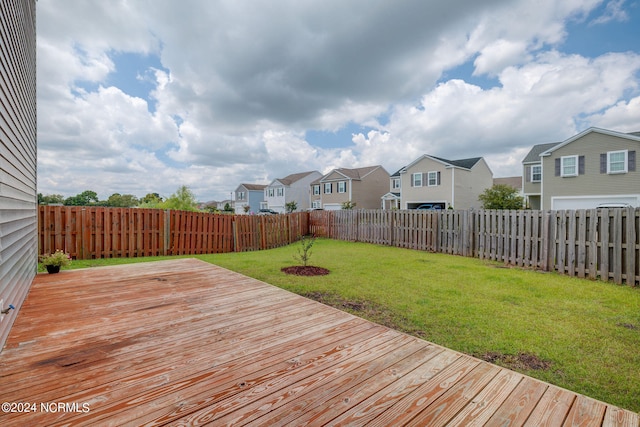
[583,335]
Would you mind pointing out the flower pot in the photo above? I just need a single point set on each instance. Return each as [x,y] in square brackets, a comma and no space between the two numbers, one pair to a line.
[51,269]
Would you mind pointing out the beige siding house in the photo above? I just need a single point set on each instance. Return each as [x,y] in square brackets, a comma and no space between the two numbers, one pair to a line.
[18,199]
[441,183]
[362,186]
[593,168]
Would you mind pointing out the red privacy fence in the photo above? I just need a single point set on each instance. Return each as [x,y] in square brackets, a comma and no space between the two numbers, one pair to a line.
[99,232]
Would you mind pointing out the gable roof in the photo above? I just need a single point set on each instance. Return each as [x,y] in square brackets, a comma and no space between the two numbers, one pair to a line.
[629,136]
[534,154]
[461,163]
[253,187]
[294,177]
[353,174]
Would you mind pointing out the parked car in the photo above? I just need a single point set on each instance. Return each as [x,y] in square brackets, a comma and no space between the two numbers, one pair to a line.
[429,207]
[614,205]
[267,212]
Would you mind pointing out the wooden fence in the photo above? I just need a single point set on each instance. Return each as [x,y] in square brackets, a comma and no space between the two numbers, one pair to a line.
[596,243]
[99,232]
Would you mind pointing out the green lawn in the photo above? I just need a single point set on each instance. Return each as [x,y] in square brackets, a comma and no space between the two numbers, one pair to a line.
[579,334]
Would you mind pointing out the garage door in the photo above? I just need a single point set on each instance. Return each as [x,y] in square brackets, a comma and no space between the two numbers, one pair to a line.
[590,202]
[332,207]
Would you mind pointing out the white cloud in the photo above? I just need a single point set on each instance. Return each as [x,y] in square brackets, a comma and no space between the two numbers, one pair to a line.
[241,82]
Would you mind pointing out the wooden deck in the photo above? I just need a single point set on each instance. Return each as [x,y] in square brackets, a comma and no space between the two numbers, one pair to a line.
[183,342]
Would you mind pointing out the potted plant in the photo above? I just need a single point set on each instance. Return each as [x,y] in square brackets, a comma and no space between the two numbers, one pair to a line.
[53,262]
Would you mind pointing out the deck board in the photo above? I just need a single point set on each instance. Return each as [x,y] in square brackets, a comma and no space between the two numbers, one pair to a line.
[186,342]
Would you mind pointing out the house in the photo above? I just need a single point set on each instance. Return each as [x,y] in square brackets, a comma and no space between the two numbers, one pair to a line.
[391,200]
[532,175]
[595,167]
[18,170]
[362,186]
[441,183]
[249,197]
[292,188]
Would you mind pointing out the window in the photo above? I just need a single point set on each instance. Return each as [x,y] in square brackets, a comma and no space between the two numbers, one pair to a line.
[280,191]
[617,161]
[316,190]
[536,173]
[432,179]
[240,195]
[316,204]
[416,179]
[342,187]
[271,193]
[395,183]
[327,188]
[569,166]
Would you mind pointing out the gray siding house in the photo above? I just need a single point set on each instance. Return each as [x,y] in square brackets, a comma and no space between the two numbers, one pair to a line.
[593,168]
[532,175]
[291,188]
[18,198]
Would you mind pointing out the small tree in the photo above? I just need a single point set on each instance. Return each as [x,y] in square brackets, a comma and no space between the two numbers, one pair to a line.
[183,199]
[304,251]
[501,196]
[291,206]
[348,205]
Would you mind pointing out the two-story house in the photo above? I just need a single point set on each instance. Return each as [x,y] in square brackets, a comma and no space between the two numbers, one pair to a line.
[441,183]
[362,186]
[593,168]
[292,188]
[249,197]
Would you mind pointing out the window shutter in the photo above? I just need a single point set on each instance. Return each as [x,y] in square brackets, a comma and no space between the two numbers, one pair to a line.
[425,179]
[558,167]
[632,161]
[603,163]
[438,179]
[580,165]
[527,173]
[411,179]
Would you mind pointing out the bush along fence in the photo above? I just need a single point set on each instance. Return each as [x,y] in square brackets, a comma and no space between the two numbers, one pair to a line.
[596,243]
[100,232]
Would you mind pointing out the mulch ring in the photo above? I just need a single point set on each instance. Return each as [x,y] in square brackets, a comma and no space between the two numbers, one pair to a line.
[516,362]
[305,270]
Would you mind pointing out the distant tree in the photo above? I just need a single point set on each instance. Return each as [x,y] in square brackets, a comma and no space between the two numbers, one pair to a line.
[50,199]
[121,200]
[291,206]
[228,208]
[211,208]
[501,196]
[246,208]
[348,205]
[86,198]
[151,200]
[183,199]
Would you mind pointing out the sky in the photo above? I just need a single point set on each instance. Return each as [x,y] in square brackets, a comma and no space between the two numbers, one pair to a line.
[144,96]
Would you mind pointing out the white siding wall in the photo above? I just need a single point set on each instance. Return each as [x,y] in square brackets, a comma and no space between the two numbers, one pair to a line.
[18,200]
